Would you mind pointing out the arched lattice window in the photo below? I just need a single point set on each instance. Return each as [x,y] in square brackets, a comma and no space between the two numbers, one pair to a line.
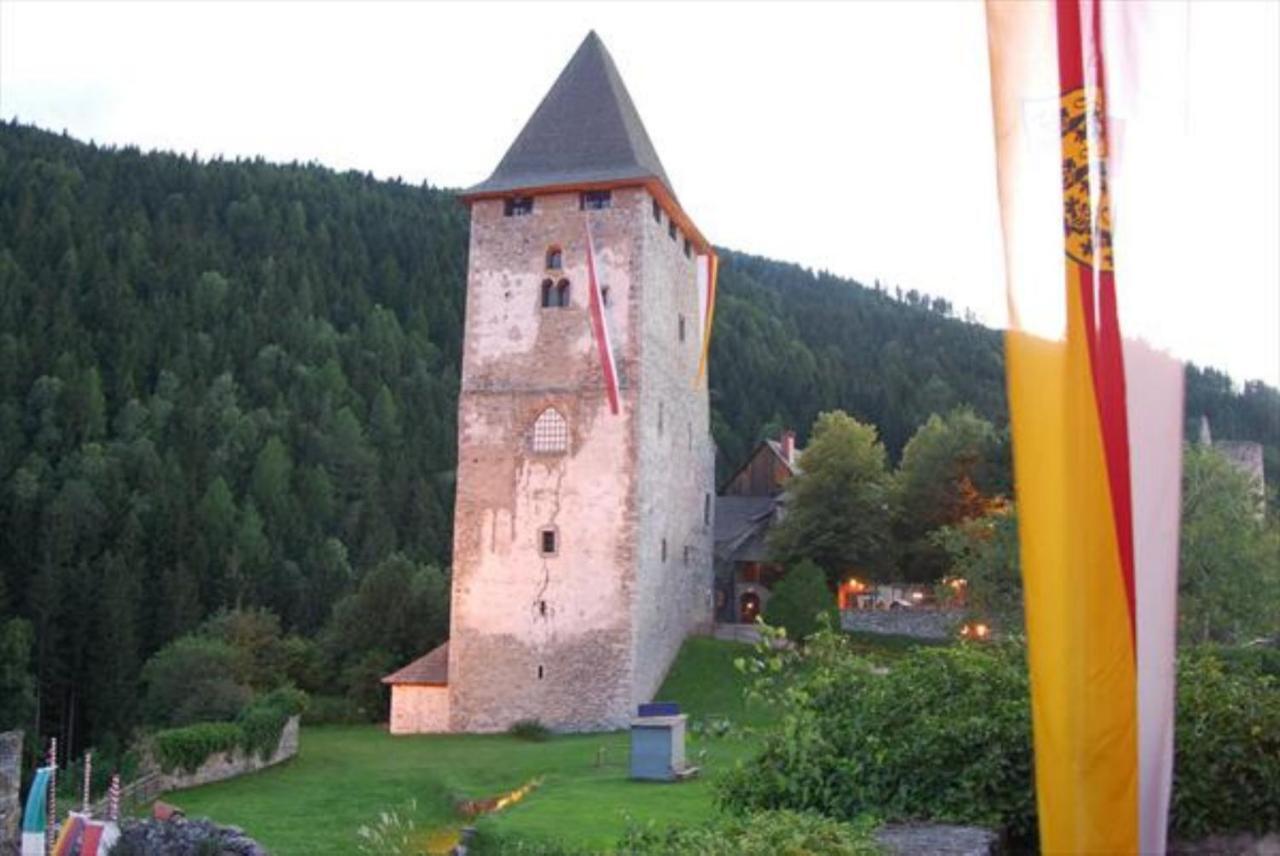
[555,258]
[550,434]
[562,291]
[555,295]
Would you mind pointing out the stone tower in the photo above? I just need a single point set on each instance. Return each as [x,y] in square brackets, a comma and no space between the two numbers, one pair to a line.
[582,537]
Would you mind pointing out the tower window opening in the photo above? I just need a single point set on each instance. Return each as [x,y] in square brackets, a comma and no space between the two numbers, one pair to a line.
[681,328]
[539,672]
[550,435]
[660,419]
[671,229]
[595,200]
[542,608]
[686,554]
[547,542]
[657,212]
[562,293]
[555,258]
[664,549]
[688,248]
[517,206]
[604,296]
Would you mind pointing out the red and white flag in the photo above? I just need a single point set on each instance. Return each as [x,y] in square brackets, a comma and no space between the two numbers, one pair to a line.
[600,326]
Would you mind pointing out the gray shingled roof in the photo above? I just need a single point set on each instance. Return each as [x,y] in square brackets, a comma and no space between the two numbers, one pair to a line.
[585,130]
[742,523]
[432,668]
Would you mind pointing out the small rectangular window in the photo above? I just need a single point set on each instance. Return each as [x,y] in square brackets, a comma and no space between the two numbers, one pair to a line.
[548,545]
[518,206]
[671,230]
[594,200]
[681,328]
[688,249]
[664,549]
[706,509]
[657,212]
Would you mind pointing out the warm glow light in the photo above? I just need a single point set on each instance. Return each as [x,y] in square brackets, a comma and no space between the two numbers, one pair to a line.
[917,596]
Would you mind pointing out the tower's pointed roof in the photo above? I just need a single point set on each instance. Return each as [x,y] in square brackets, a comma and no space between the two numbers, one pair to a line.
[585,131]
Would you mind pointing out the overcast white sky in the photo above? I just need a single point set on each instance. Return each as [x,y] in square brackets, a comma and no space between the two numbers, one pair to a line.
[852,137]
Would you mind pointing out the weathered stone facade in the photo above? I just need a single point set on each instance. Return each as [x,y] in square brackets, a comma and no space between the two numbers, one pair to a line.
[419,709]
[918,623]
[576,637]
[10,782]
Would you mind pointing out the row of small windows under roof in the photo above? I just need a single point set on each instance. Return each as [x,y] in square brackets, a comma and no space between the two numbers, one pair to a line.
[592,200]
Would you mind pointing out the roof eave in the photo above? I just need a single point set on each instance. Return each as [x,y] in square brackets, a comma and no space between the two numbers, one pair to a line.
[656,187]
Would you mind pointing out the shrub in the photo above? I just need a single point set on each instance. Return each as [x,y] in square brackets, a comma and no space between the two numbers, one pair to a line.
[193,679]
[761,834]
[798,601]
[945,735]
[530,729]
[262,722]
[1226,772]
[187,748]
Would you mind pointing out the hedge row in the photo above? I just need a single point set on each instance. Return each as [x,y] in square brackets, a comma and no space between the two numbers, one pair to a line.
[257,731]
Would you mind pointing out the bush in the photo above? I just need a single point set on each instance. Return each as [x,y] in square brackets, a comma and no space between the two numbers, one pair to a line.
[945,735]
[798,601]
[764,833]
[1226,772]
[193,679]
[530,729]
[187,748]
[262,722]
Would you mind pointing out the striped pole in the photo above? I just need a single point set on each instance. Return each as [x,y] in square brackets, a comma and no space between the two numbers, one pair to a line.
[113,799]
[51,820]
[88,777]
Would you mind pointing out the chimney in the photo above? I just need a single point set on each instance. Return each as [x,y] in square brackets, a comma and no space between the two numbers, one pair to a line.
[789,446]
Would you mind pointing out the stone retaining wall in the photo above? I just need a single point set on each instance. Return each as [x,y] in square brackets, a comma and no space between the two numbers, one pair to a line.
[10,781]
[919,623]
[228,765]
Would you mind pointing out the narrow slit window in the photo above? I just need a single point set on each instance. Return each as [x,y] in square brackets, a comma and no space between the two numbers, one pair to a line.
[604,296]
[657,212]
[518,206]
[664,549]
[539,673]
[555,258]
[671,229]
[688,248]
[706,509]
[595,200]
[681,328]
[548,541]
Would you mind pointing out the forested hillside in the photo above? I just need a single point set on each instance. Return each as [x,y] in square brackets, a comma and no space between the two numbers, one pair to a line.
[234,383]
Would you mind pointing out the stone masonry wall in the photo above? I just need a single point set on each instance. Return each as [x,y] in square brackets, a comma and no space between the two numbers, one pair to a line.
[922,624]
[676,466]
[532,636]
[228,765]
[10,781]
[419,709]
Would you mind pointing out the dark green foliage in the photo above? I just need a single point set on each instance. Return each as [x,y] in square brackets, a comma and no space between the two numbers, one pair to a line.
[530,729]
[1255,659]
[840,505]
[765,833]
[193,679]
[256,731]
[186,748]
[17,687]
[950,467]
[944,735]
[1226,773]
[799,601]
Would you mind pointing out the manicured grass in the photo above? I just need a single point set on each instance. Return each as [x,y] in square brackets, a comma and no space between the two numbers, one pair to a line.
[343,777]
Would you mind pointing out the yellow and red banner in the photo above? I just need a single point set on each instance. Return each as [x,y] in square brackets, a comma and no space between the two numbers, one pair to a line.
[1097,439]
[708,268]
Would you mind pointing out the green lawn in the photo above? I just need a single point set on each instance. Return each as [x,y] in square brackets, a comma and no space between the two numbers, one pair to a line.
[344,776]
